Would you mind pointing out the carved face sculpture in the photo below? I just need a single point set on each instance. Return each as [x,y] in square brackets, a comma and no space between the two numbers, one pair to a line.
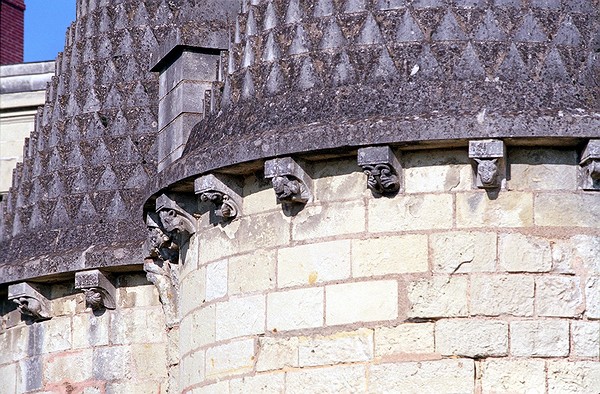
[285,188]
[487,171]
[28,306]
[381,178]
[93,298]
[169,219]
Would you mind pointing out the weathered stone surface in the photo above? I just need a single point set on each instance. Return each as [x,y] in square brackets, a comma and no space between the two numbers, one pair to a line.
[230,359]
[548,338]
[389,255]
[559,296]
[313,263]
[410,338]
[576,209]
[112,363]
[295,309]
[277,353]
[438,171]
[441,296]
[90,330]
[512,209]
[351,378]
[573,377]
[252,272]
[460,252]
[543,169]
[240,316]
[341,347]
[192,369]
[592,297]
[268,383]
[320,221]
[339,179]
[586,339]
[57,335]
[199,327]
[477,339]
[361,301]
[133,325]
[522,253]
[432,376]
[410,212]
[513,376]
[193,291]
[216,280]
[502,294]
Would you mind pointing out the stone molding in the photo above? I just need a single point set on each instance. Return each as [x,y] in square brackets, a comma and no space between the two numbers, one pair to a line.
[590,166]
[291,183]
[383,170]
[219,191]
[489,157]
[30,300]
[98,289]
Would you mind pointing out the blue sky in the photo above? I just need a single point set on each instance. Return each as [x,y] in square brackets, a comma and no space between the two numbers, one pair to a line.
[46,22]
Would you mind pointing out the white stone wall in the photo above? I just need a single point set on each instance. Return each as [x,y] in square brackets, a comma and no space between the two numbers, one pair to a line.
[80,351]
[438,289]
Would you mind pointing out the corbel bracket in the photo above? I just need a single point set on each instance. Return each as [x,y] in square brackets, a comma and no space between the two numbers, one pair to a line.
[217,191]
[489,163]
[30,300]
[590,166]
[98,289]
[290,182]
[382,168]
[176,212]
[159,245]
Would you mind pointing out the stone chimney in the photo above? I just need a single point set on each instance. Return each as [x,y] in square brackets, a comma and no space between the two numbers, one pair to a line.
[11,31]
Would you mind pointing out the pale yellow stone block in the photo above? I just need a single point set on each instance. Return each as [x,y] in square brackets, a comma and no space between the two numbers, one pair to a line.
[72,367]
[341,347]
[230,359]
[198,328]
[580,252]
[436,171]
[259,196]
[440,296]
[192,291]
[573,377]
[497,295]
[135,387]
[237,317]
[14,344]
[581,209]
[213,388]
[410,212]
[271,383]
[57,335]
[509,209]
[252,272]
[137,296]
[66,306]
[192,369]
[8,378]
[263,231]
[133,325]
[559,296]
[295,309]
[361,301]
[441,376]
[477,338]
[541,338]
[513,376]
[592,297]
[336,379]
[320,221]
[410,338]
[150,361]
[188,256]
[389,255]
[543,169]
[522,253]
[216,280]
[90,330]
[461,252]
[313,263]
[338,180]
[218,242]
[586,339]
[277,353]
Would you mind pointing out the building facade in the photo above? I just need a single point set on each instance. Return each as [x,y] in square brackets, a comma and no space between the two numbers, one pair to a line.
[311,196]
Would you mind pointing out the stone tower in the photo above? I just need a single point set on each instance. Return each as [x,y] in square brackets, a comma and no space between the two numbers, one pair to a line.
[339,195]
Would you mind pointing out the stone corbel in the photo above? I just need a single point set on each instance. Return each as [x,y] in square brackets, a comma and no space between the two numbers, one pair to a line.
[30,300]
[176,213]
[382,168]
[590,166]
[221,193]
[489,163]
[98,289]
[290,182]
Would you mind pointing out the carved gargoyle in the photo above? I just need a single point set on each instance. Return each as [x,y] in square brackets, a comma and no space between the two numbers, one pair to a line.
[225,208]
[98,289]
[288,189]
[381,178]
[30,300]
[487,171]
[291,183]
[31,307]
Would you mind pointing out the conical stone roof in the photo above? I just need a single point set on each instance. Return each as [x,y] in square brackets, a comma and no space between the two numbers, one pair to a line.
[324,74]
[76,198]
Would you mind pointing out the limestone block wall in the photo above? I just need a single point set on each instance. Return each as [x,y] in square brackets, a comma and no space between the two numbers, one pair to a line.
[441,288]
[80,351]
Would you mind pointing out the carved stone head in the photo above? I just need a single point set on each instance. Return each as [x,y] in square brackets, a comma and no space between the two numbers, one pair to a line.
[487,170]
